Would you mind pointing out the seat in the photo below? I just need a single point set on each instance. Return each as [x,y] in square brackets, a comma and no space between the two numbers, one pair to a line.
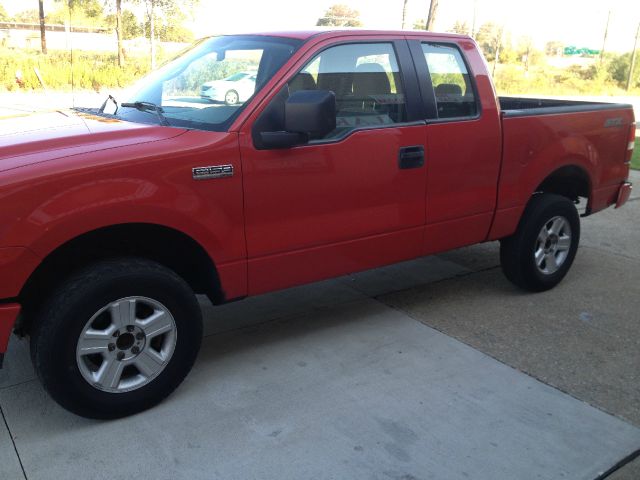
[451,103]
[369,80]
[302,81]
[448,90]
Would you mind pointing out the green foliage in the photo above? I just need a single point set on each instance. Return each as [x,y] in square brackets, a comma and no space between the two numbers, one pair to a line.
[4,16]
[131,28]
[459,27]
[91,70]
[169,27]
[340,16]
[27,16]
[553,48]
[635,160]
[87,13]
[619,70]
[544,79]
[490,39]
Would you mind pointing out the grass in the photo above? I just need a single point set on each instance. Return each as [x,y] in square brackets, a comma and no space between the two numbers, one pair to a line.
[635,160]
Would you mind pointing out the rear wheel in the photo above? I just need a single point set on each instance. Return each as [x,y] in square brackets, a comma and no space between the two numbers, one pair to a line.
[540,253]
[116,338]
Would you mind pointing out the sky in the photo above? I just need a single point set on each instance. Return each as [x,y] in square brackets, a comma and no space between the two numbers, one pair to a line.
[574,22]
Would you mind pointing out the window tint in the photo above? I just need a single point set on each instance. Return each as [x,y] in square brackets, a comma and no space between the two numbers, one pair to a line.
[209,84]
[366,81]
[450,80]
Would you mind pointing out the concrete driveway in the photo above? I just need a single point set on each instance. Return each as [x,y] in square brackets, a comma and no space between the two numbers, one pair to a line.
[435,368]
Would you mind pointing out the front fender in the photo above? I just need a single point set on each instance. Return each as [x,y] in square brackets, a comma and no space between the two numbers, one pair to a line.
[150,183]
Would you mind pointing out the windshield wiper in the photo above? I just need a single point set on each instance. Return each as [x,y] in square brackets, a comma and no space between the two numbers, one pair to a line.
[104,105]
[149,107]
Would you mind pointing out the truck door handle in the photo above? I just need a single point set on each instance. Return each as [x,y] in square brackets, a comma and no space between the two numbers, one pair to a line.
[411,157]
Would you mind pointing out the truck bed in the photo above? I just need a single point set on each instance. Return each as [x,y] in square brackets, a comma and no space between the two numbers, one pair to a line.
[519,107]
[545,135]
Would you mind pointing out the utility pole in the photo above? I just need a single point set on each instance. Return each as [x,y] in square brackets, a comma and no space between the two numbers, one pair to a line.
[633,59]
[404,14]
[431,19]
[119,32]
[475,14]
[43,38]
[473,22]
[604,40]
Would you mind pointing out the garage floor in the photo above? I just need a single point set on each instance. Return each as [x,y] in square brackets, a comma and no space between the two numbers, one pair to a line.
[380,375]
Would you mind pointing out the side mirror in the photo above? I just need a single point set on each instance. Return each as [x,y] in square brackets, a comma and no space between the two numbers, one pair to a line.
[307,113]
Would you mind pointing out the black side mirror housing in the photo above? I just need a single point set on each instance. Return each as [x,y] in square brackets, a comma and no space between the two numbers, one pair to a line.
[307,113]
[310,111]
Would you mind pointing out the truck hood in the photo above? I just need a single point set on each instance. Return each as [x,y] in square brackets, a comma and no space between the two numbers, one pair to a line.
[40,137]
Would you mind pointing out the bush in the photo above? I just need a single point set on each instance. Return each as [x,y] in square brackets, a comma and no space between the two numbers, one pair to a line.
[91,70]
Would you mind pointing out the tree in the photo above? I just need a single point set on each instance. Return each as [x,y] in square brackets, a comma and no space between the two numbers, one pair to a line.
[489,38]
[431,18]
[119,26]
[43,36]
[618,69]
[340,16]
[553,48]
[169,28]
[4,16]
[461,27]
[81,12]
[525,51]
[131,27]
[169,8]
[404,14]
[119,32]
[27,16]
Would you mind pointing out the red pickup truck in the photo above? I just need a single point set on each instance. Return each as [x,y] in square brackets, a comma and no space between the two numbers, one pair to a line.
[356,149]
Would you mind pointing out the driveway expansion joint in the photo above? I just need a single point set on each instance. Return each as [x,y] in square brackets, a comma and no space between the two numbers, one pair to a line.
[13,442]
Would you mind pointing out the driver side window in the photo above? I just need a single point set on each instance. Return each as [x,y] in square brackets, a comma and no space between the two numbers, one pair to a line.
[366,81]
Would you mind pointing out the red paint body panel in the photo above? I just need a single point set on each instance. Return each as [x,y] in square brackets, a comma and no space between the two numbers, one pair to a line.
[535,146]
[18,263]
[463,163]
[8,315]
[322,262]
[293,216]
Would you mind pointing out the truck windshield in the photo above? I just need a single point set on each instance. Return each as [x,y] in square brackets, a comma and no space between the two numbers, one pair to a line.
[188,91]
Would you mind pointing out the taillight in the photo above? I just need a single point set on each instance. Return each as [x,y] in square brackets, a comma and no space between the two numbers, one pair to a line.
[631,144]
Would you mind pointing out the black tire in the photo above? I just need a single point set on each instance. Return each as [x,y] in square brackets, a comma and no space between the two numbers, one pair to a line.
[61,320]
[517,252]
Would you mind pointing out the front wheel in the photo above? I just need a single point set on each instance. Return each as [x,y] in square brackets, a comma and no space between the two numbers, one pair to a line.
[540,253]
[116,338]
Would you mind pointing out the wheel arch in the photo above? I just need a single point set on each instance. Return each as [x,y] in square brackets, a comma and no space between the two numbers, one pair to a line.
[167,246]
[571,181]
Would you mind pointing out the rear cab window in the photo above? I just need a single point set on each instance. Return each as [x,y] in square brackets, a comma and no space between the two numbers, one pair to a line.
[451,81]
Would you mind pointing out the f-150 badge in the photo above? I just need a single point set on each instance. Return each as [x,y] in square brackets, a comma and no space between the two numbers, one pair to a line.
[214,171]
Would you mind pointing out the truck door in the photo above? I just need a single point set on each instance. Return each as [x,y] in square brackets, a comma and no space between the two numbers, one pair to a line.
[353,199]
[463,143]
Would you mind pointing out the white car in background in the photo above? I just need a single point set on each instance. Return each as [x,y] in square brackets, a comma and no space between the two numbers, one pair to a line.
[234,89]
